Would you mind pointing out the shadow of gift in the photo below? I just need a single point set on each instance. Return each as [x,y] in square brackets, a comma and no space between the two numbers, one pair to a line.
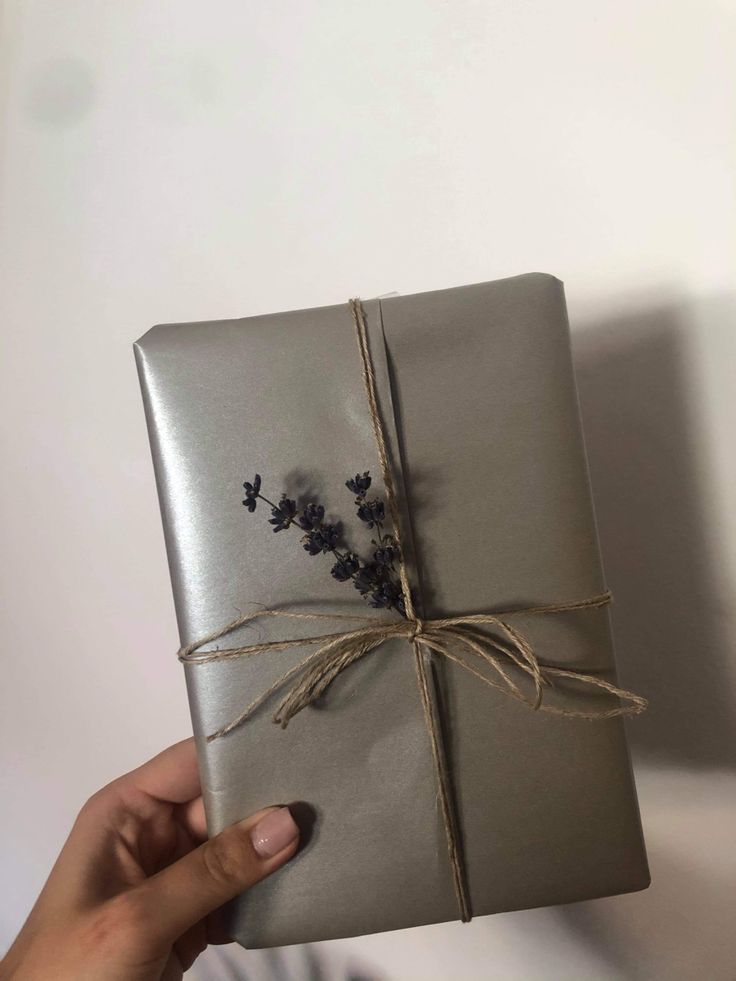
[681,928]
[651,492]
[642,414]
[233,963]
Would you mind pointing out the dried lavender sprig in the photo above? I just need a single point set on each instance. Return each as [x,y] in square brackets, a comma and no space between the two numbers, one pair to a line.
[285,514]
[374,580]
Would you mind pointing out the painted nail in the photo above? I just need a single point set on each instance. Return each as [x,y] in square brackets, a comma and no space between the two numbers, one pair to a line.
[274,832]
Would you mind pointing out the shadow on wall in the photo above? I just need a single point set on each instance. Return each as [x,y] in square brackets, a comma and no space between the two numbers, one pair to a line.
[651,500]
[232,963]
[650,486]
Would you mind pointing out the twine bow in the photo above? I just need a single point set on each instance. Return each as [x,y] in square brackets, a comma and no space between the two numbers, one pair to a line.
[335,652]
[499,652]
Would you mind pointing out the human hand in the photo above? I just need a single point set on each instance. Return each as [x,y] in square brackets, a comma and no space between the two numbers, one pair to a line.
[133,894]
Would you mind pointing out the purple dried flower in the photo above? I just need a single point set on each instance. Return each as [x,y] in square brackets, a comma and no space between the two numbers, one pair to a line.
[283,515]
[386,554]
[385,595]
[359,484]
[251,492]
[372,512]
[311,517]
[345,567]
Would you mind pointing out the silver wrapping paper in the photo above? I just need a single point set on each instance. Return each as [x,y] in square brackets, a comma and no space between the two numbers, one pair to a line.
[478,395]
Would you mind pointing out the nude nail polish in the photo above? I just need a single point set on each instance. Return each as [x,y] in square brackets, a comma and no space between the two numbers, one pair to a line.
[274,832]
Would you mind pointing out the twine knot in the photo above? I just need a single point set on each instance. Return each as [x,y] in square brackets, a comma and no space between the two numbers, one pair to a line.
[416,629]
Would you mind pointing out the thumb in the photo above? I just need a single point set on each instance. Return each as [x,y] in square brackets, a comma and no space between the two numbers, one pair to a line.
[184,893]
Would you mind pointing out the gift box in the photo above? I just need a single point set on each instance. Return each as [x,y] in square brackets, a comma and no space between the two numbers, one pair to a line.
[417,806]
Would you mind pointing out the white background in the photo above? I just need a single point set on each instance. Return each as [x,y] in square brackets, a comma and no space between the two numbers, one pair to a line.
[170,161]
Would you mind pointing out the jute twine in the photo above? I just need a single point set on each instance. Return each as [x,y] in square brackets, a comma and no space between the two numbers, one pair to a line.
[501,652]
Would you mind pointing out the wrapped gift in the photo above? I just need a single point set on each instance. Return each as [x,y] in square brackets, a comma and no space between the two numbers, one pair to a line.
[461,757]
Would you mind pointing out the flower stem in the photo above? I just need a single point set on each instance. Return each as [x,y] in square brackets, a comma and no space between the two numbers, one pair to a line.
[270,503]
[380,533]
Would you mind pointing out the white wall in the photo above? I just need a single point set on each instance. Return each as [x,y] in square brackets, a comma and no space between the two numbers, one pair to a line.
[169,160]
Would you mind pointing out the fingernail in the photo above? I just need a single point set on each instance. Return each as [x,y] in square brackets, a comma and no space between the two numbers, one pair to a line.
[274,832]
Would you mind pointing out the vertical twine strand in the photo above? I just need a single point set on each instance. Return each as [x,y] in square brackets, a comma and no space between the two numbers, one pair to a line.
[442,775]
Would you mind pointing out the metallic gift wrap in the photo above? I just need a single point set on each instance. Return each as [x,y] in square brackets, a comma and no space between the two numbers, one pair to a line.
[478,398]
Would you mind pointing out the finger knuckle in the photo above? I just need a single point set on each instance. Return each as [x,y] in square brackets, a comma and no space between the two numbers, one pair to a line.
[94,804]
[99,804]
[226,858]
[118,923]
